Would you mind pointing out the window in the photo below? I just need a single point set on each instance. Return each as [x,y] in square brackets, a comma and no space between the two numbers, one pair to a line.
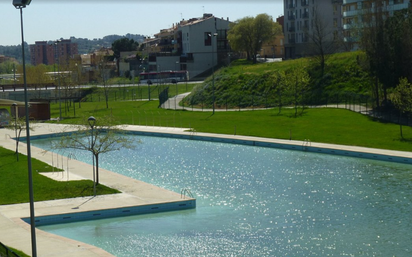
[208,38]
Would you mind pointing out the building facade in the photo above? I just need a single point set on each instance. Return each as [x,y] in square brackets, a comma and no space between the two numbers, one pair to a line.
[302,21]
[196,45]
[359,13]
[49,53]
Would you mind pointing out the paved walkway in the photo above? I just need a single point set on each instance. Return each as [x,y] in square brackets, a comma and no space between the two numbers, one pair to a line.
[173,104]
[16,233]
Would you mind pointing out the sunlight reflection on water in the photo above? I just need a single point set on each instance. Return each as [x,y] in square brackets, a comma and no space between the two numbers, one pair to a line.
[256,202]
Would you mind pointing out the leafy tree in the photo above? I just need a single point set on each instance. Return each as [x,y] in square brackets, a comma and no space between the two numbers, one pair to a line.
[7,67]
[388,46]
[402,98]
[103,137]
[248,34]
[123,45]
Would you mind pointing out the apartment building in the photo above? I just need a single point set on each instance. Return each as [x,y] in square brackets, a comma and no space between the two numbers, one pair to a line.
[358,13]
[300,22]
[195,45]
[49,53]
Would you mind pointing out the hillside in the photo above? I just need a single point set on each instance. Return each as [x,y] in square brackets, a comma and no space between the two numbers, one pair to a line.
[246,85]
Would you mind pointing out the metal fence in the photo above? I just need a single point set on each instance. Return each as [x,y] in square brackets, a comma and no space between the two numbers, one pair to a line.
[7,252]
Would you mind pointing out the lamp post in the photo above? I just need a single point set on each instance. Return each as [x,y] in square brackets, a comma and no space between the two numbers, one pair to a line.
[58,77]
[20,4]
[15,129]
[92,122]
[213,73]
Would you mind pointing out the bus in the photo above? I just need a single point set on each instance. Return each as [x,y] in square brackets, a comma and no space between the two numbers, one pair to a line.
[164,76]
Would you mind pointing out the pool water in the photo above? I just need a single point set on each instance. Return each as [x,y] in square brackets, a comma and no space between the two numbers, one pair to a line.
[255,201]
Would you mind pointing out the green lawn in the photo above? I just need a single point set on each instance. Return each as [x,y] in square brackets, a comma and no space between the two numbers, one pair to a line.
[326,125]
[14,186]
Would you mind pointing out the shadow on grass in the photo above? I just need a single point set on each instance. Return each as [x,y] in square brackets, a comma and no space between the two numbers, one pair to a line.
[376,119]
[404,140]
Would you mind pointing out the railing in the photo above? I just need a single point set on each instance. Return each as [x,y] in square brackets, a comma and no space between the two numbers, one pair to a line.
[184,192]
[7,252]
[306,144]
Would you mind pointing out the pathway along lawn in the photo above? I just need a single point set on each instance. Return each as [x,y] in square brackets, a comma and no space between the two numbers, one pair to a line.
[14,185]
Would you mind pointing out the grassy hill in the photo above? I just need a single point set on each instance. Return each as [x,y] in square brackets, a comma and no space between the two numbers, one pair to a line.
[237,84]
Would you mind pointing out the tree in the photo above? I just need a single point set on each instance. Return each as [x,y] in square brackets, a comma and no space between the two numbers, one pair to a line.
[402,98]
[279,85]
[387,42]
[297,80]
[101,137]
[322,39]
[248,34]
[18,126]
[123,45]
[103,73]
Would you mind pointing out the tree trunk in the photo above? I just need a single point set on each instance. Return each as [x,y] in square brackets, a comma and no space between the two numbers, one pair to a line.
[377,91]
[97,169]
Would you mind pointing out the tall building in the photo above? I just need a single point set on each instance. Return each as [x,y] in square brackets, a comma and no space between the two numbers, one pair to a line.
[358,13]
[49,53]
[302,17]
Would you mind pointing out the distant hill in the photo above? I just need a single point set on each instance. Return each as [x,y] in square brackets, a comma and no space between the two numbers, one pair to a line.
[85,45]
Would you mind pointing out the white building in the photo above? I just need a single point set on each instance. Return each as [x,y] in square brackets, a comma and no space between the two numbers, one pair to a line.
[195,45]
[300,23]
[356,12]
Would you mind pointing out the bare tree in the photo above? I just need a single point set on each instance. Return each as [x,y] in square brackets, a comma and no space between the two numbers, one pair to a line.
[103,76]
[323,39]
[18,126]
[297,80]
[95,135]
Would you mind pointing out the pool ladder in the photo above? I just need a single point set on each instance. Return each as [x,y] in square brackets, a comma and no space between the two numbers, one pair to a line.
[306,144]
[185,192]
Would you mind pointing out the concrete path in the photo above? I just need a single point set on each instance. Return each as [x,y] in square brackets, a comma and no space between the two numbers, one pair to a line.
[16,233]
[173,104]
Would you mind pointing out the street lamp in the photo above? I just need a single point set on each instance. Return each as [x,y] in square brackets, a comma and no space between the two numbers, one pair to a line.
[57,56]
[92,122]
[20,4]
[15,129]
[213,73]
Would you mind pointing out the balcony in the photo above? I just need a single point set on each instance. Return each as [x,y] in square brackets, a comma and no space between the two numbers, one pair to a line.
[347,26]
[292,5]
[291,17]
[304,3]
[350,1]
[350,13]
[292,29]
[305,15]
[397,7]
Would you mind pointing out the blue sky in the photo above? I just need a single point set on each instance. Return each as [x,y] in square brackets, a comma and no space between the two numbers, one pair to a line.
[55,19]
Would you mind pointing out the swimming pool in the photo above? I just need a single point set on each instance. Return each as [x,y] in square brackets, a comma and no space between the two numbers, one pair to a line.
[255,201]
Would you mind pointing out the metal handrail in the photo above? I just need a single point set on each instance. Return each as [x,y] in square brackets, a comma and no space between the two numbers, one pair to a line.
[185,191]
